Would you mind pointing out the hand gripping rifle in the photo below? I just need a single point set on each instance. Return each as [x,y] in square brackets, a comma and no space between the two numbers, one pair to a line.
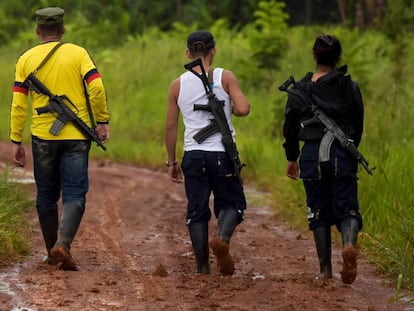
[219,122]
[63,113]
[332,129]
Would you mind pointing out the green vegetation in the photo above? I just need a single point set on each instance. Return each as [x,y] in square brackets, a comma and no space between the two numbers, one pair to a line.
[14,229]
[137,74]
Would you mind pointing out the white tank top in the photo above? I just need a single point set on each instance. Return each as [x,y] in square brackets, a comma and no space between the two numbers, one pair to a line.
[192,92]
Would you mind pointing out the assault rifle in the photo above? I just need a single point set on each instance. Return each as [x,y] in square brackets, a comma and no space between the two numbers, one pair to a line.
[332,129]
[219,122]
[63,113]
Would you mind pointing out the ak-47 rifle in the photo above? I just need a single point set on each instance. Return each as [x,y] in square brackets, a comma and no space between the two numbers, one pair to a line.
[333,131]
[63,113]
[219,122]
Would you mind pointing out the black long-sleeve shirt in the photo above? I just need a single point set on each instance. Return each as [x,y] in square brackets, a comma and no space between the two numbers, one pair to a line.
[338,96]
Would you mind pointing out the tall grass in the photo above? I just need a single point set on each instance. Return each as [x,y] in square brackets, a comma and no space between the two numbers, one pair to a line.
[137,76]
[14,229]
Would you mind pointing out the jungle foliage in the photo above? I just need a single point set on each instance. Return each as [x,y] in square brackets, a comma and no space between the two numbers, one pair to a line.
[140,50]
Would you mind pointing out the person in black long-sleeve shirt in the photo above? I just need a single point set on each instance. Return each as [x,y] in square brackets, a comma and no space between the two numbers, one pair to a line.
[330,184]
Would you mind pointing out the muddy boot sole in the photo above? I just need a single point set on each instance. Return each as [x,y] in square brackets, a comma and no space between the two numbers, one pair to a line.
[60,254]
[349,267]
[224,260]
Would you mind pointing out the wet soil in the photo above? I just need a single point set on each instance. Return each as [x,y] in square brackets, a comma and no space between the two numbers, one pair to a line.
[134,253]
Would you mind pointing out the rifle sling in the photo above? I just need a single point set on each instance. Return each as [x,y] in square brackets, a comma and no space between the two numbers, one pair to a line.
[48,56]
[88,103]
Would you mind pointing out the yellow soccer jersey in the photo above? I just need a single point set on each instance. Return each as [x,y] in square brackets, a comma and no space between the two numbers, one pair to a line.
[63,74]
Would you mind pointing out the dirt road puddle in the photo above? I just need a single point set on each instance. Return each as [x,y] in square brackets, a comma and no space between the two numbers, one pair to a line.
[6,280]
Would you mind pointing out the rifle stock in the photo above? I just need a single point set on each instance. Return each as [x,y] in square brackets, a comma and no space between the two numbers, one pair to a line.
[63,112]
[194,63]
[328,123]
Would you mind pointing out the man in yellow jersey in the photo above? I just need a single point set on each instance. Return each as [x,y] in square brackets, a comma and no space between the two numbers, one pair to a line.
[60,161]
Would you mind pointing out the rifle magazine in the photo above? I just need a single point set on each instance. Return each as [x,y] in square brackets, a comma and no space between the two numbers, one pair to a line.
[206,132]
[56,127]
[325,146]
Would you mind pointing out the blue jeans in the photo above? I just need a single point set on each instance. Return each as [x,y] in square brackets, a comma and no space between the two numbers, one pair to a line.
[60,167]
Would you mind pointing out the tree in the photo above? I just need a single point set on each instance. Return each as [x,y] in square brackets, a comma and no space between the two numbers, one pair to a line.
[360,13]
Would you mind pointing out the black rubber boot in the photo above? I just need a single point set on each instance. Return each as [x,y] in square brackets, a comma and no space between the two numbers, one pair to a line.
[199,240]
[71,218]
[322,236]
[228,219]
[49,223]
[349,231]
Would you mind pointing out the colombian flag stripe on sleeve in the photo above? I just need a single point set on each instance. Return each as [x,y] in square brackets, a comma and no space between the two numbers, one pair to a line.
[20,88]
[92,75]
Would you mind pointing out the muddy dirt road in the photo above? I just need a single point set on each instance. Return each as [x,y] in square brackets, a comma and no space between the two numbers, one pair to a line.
[134,253]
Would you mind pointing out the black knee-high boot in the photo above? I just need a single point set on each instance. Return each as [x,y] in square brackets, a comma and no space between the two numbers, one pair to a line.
[49,223]
[71,218]
[228,219]
[322,236]
[349,231]
[199,240]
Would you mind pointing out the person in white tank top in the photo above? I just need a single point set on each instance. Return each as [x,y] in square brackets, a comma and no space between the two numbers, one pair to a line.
[206,166]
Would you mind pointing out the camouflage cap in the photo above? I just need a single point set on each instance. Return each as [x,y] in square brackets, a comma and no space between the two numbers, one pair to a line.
[49,16]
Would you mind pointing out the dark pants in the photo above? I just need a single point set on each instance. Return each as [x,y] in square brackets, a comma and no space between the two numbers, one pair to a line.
[331,187]
[60,167]
[206,172]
